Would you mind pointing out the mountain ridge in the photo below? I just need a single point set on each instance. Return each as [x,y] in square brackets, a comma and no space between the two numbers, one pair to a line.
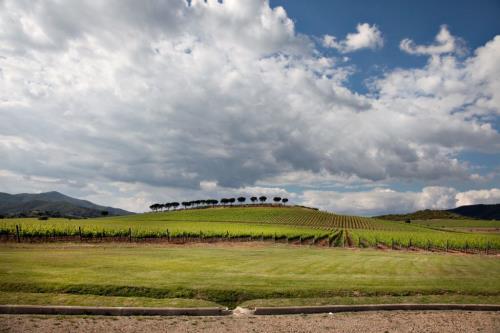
[479,211]
[54,204]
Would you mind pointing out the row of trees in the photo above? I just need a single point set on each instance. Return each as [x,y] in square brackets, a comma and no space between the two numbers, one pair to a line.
[212,202]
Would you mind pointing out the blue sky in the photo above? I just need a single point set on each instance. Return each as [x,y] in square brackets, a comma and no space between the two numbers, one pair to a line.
[357,107]
[475,21]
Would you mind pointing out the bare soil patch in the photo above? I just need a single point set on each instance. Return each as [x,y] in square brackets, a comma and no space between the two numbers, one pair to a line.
[397,321]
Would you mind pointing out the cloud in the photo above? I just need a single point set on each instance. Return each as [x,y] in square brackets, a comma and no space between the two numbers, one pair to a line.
[445,43]
[491,196]
[117,100]
[366,37]
[385,201]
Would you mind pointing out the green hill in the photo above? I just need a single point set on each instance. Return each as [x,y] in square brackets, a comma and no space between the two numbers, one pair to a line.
[427,214]
[290,224]
[53,204]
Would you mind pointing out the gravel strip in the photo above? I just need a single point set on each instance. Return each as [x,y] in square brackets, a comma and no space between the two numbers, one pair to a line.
[381,321]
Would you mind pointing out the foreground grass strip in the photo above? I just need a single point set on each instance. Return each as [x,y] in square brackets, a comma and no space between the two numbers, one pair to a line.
[94,300]
[382,299]
[229,276]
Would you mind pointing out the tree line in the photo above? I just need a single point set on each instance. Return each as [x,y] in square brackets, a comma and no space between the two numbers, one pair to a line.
[212,203]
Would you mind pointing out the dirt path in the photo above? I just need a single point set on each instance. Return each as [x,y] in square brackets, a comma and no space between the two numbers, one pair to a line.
[396,321]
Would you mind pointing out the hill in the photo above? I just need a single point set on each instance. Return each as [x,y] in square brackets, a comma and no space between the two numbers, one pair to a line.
[52,204]
[426,214]
[485,212]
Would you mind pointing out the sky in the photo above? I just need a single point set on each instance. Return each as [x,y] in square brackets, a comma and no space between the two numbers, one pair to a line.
[357,107]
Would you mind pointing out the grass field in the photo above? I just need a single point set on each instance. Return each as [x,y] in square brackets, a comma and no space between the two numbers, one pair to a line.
[290,223]
[231,275]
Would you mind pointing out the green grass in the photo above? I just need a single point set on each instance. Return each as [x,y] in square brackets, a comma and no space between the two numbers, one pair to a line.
[229,276]
[382,299]
[95,300]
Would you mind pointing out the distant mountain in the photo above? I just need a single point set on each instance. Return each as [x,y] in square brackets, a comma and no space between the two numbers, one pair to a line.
[52,204]
[485,212]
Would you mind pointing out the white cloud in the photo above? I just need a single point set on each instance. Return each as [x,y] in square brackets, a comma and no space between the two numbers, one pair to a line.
[366,37]
[385,201]
[170,100]
[491,196]
[445,43]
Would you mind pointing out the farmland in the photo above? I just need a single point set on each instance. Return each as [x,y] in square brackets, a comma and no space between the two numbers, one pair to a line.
[238,255]
[289,224]
[229,275]
[461,225]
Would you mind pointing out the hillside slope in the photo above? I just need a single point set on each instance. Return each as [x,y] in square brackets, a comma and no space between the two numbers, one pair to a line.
[484,212]
[52,204]
[426,214]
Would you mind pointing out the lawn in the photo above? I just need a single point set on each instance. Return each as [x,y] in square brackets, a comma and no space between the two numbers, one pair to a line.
[229,275]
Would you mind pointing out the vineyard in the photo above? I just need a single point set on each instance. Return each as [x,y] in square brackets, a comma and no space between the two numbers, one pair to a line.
[292,225]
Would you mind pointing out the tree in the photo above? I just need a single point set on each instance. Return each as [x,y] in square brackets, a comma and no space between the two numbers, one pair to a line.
[104,213]
[284,200]
[214,202]
[223,201]
[276,199]
[175,205]
[155,207]
[262,198]
[253,199]
[231,200]
[242,199]
[185,204]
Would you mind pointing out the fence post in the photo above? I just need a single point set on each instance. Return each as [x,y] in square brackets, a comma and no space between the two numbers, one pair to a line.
[447,245]
[392,243]
[17,233]
[466,246]
[80,233]
[130,235]
[168,235]
[487,247]
[409,244]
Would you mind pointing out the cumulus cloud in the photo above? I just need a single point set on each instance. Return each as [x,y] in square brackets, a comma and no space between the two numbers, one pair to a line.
[386,201]
[366,37]
[116,100]
[491,196]
[445,42]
